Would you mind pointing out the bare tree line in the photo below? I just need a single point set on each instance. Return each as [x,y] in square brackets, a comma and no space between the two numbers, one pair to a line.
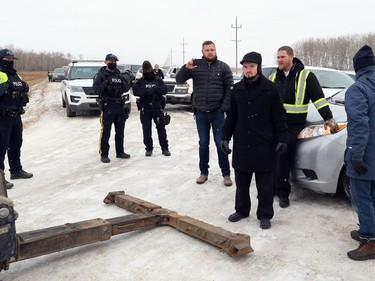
[334,52]
[42,61]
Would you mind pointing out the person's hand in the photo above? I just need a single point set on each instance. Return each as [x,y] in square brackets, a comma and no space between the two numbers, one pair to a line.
[331,123]
[190,64]
[281,147]
[359,166]
[225,147]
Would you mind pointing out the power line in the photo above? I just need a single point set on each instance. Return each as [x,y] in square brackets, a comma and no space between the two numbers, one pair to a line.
[236,40]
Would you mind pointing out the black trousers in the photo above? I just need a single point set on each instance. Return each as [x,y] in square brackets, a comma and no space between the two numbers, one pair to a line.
[11,129]
[112,114]
[146,116]
[284,162]
[264,183]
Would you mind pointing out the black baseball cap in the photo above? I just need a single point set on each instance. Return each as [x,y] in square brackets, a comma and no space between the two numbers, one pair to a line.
[111,57]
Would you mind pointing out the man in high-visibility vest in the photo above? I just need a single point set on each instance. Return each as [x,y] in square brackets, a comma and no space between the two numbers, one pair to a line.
[297,86]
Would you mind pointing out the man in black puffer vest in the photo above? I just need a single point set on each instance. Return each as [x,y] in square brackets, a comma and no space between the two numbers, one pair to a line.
[109,84]
[13,97]
[212,83]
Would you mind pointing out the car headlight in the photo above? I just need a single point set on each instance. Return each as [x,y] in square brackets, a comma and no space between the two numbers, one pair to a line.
[318,130]
[76,89]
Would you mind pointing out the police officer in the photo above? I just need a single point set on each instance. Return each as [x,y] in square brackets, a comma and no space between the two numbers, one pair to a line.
[13,97]
[109,84]
[150,89]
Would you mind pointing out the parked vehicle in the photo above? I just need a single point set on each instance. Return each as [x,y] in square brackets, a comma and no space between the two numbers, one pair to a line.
[58,74]
[319,156]
[331,80]
[177,93]
[76,91]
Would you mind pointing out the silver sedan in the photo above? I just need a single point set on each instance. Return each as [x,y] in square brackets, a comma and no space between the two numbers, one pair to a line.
[319,156]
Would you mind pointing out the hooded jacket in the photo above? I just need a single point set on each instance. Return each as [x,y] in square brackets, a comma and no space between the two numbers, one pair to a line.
[287,89]
[360,109]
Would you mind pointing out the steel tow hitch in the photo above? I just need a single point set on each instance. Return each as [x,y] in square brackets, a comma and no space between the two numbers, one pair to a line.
[234,244]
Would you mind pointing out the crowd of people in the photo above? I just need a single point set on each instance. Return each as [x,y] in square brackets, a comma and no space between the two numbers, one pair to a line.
[261,115]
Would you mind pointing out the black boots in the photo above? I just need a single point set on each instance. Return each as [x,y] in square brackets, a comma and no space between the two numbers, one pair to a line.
[21,175]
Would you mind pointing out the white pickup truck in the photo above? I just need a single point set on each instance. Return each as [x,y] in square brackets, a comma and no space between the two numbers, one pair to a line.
[76,90]
[177,93]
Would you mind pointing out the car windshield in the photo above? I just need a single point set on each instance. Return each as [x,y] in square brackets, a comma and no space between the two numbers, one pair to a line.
[333,79]
[58,70]
[83,72]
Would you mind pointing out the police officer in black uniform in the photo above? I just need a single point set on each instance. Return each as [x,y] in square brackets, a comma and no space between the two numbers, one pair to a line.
[109,84]
[150,89]
[13,97]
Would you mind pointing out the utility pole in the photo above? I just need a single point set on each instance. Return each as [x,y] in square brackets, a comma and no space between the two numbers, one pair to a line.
[183,50]
[236,40]
[171,57]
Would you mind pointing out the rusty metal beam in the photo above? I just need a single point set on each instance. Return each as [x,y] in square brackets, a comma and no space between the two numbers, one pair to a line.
[54,239]
[58,238]
[234,244]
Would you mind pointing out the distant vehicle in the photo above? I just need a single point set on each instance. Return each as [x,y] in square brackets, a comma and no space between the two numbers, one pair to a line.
[132,67]
[332,81]
[58,74]
[177,93]
[76,91]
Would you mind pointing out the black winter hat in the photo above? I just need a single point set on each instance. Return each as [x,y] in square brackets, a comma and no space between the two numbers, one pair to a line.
[363,58]
[146,66]
[6,53]
[252,57]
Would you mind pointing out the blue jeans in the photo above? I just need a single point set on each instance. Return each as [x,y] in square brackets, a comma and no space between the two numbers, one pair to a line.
[204,121]
[362,193]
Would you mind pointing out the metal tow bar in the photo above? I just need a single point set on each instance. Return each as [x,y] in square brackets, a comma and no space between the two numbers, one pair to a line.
[234,244]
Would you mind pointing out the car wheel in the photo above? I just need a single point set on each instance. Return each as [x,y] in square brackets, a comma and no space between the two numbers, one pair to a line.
[69,112]
[63,102]
[344,184]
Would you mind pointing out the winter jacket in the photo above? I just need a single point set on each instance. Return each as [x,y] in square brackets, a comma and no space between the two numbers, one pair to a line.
[110,85]
[211,85]
[13,91]
[150,93]
[360,109]
[257,121]
[313,92]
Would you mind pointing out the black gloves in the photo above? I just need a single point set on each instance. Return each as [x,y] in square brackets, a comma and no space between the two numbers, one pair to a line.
[281,147]
[225,147]
[359,166]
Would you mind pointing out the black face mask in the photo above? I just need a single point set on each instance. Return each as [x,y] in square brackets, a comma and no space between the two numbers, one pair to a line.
[149,75]
[7,63]
[112,65]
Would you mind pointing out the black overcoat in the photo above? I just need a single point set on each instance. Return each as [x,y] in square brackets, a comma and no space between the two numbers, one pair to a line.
[257,122]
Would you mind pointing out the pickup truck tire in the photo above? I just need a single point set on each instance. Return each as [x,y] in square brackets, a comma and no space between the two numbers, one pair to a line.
[69,112]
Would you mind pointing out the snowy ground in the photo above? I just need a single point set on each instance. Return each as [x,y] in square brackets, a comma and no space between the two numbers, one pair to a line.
[307,241]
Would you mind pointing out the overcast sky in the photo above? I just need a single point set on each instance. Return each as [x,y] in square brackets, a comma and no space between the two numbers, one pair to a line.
[156,30]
